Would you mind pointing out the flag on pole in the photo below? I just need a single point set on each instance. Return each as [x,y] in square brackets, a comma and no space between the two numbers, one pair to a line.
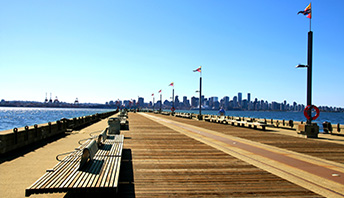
[152,94]
[172,84]
[198,69]
[160,91]
[307,11]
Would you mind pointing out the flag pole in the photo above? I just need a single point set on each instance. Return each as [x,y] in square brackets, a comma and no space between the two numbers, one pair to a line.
[173,100]
[200,97]
[153,102]
[310,19]
[310,22]
[160,101]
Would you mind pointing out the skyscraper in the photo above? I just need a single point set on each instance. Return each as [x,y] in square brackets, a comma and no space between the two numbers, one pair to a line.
[226,102]
[176,102]
[248,97]
[240,98]
[141,102]
[235,101]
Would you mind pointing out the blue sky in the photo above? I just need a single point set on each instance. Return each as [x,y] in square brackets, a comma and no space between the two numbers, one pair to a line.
[104,50]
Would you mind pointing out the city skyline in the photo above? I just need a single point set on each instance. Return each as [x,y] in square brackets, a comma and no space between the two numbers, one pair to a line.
[238,102]
[126,49]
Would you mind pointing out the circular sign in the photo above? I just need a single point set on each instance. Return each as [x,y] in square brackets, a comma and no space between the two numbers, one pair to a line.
[172,109]
[305,112]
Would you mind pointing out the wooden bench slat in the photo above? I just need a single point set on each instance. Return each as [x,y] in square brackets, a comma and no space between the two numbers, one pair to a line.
[94,177]
[101,172]
[47,175]
[98,162]
[60,171]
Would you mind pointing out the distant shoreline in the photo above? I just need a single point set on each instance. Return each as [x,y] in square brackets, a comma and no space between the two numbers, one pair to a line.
[100,106]
[52,106]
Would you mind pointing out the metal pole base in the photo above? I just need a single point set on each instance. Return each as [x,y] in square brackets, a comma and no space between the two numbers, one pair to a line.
[200,117]
[312,130]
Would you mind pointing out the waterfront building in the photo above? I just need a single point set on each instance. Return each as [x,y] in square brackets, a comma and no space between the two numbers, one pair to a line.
[240,98]
[194,101]
[235,101]
[208,103]
[176,102]
[202,100]
[141,102]
[226,102]
[186,102]
[244,104]
[216,105]
[126,103]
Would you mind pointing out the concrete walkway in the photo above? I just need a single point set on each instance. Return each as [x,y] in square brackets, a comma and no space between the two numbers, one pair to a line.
[20,172]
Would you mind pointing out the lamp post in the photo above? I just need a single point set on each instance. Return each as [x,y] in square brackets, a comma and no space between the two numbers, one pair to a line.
[200,117]
[311,129]
[153,102]
[200,99]
[160,102]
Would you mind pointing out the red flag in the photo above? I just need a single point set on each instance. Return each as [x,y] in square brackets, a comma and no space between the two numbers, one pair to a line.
[198,69]
[307,11]
[152,94]
[160,91]
[172,84]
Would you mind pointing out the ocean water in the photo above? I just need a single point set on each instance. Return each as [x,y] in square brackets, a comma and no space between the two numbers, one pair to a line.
[11,117]
[15,117]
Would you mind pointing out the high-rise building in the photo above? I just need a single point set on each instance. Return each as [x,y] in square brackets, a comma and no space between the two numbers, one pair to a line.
[176,102]
[186,101]
[235,101]
[226,102]
[141,102]
[248,97]
[194,101]
[240,98]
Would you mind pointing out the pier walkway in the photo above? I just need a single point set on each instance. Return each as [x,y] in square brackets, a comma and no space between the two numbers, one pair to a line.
[165,156]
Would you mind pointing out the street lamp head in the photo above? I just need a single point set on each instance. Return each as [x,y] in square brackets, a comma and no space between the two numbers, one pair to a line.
[301,66]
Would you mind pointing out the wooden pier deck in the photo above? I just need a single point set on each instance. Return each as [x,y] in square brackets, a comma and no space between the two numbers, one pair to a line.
[165,156]
[168,161]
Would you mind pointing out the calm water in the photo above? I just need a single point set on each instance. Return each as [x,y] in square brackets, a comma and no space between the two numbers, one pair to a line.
[11,117]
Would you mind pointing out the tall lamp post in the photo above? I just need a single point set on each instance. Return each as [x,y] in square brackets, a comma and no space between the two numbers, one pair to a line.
[311,129]
[160,101]
[200,117]
[172,109]
[153,101]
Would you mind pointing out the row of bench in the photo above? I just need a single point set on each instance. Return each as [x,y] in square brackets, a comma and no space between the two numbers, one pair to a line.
[92,167]
[184,115]
[236,122]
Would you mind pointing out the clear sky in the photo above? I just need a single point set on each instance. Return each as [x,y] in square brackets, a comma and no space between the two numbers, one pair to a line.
[104,50]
